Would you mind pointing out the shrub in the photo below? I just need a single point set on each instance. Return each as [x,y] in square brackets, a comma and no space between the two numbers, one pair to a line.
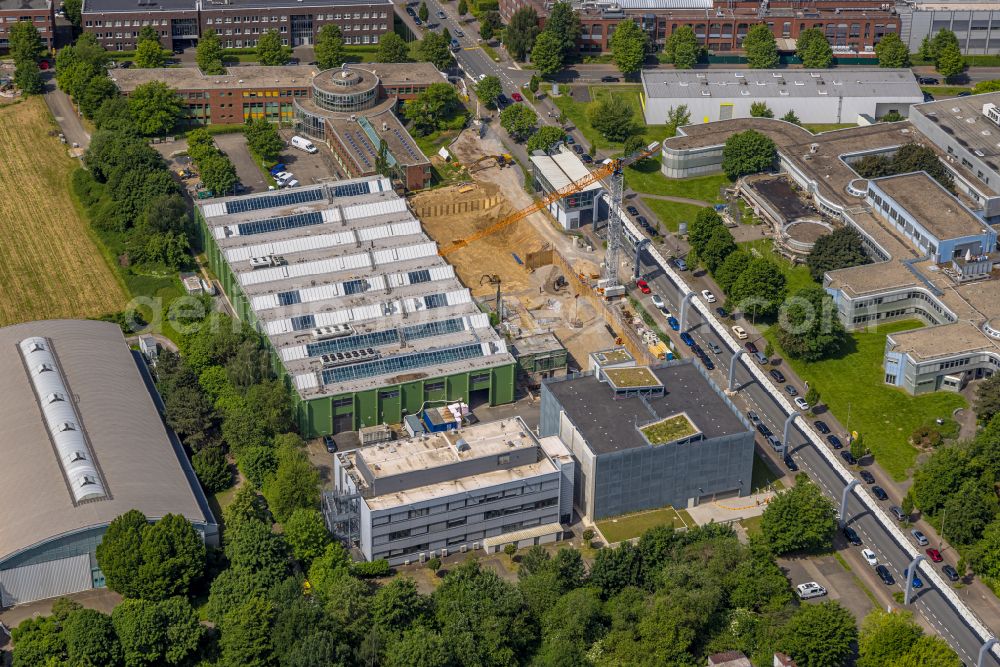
[375,568]
[926,436]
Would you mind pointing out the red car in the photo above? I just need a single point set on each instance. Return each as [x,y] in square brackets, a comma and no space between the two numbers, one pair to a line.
[643,286]
[935,555]
[517,97]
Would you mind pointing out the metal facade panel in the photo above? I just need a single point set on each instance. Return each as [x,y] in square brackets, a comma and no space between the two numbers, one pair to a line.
[45,580]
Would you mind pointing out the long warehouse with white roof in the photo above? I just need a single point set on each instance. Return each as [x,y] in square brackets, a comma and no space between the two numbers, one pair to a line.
[368,321]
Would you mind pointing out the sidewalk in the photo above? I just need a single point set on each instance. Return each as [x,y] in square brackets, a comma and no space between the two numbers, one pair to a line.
[726,510]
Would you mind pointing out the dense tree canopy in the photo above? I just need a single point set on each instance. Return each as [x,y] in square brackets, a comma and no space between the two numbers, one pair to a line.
[270,50]
[909,158]
[628,46]
[545,138]
[329,47]
[488,90]
[155,107]
[432,109]
[760,110]
[612,116]
[819,635]
[548,53]
[685,39]
[521,32]
[263,138]
[808,326]
[800,519]
[434,48]
[840,249]
[760,47]
[563,23]
[392,49]
[149,54]
[892,52]
[519,120]
[747,152]
[813,49]
[208,53]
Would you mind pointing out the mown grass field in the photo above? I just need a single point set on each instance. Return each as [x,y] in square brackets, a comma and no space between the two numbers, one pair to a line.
[576,112]
[646,177]
[50,266]
[796,276]
[629,526]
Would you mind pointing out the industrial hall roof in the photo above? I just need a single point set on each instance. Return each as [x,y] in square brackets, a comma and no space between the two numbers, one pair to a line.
[873,82]
[350,290]
[82,441]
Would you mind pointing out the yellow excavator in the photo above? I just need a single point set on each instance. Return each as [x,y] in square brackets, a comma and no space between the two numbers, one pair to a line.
[487,161]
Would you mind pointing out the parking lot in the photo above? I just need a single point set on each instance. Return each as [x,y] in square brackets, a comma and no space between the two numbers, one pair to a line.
[840,584]
[310,168]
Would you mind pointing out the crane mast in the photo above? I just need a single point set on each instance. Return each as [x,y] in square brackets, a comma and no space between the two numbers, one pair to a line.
[614,224]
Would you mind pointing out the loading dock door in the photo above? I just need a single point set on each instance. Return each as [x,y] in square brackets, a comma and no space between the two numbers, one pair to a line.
[725,111]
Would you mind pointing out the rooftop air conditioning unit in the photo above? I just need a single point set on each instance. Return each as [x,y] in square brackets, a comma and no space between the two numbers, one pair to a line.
[332,331]
[261,262]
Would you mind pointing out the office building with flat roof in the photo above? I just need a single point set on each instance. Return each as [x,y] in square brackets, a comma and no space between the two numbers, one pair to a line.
[39,13]
[239,23]
[555,171]
[481,487]
[367,320]
[83,442]
[976,23]
[816,96]
[647,437]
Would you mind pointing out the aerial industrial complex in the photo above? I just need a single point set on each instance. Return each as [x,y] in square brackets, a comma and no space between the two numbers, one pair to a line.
[367,320]
[83,443]
[935,250]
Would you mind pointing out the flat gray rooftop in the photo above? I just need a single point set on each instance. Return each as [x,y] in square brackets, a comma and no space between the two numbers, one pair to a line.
[803,83]
[139,6]
[962,118]
[351,256]
[191,78]
[607,423]
[932,206]
[12,5]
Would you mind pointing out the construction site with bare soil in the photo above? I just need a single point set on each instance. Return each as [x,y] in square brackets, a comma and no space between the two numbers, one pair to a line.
[544,274]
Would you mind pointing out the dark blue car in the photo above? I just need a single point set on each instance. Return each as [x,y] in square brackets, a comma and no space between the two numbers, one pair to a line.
[686,337]
[674,324]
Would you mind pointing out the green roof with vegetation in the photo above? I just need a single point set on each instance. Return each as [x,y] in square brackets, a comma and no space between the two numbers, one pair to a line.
[669,430]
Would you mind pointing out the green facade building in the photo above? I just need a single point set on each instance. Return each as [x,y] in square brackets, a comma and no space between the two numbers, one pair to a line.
[366,322]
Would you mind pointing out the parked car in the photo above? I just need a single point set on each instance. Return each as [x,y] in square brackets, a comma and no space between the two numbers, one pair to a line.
[879,493]
[570,140]
[697,350]
[917,582]
[752,416]
[708,296]
[821,426]
[919,538]
[658,301]
[778,376]
[502,101]
[763,429]
[609,79]
[867,477]
[761,359]
[330,443]
[791,391]
[801,404]
[686,337]
[964,93]
[441,15]
[834,441]
[578,149]
[517,97]
[750,347]
[774,442]
[459,33]
[714,348]
[586,158]
[927,81]
[721,312]
[934,555]
[883,573]
[643,286]
[705,359]
[740,332]
[680,263]
[950,572]
[852,536]
[897,512]
[417,21]
[810,590]
[848,457]
[632,210]
[870,556]
[790,463]
[674,324]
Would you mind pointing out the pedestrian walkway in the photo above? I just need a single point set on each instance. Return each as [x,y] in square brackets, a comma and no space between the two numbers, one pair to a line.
[678,200]
[730,509]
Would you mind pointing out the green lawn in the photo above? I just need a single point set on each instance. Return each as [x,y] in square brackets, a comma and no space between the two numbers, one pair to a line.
[816,128]
[671,214]
[851,384]
[945,91]
[752,524]
[576,112]
[646,177]
[763,475]
[490,51]
[628,526]
[796,276]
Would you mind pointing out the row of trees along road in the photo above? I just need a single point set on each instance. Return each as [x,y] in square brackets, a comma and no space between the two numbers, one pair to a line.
[672,598]
[26,48]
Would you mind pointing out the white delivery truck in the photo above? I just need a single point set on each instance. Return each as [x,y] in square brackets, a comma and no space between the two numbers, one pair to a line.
[303,144]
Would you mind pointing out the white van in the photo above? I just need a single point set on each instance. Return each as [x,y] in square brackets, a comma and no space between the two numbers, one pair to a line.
[810,589]
[304,144]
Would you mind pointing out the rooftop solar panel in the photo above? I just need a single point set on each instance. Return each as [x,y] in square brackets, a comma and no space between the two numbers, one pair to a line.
[276,224]
[360,341]
[286,198]
[289,298]
[350,189]
[401,363]
[303,322]
[354,286]
[421,276]
[436,300]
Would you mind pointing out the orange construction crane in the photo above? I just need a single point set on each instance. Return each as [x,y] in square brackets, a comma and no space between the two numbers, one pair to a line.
[601,172]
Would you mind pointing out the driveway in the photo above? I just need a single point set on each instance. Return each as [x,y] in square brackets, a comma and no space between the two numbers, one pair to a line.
[235,146]
[67,117]
[841,585]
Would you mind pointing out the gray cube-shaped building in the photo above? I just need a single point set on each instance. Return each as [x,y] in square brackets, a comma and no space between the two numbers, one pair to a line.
[645,438]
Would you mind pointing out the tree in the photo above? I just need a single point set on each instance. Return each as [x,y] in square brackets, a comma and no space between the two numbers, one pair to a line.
[813,49]
[760,289]
[927,651]
[263,138]
[218,174]
[885,637]
[800,519]
[682,36]
[142,630]
[434,49]
[612,116]
[564,24]
[463,8]
[149,54]
[155,107]
[295,484]
[151,561]
[719,246]
[246,635]
[748,152]
[392,49]
[73,9]
[819,635]
[208,53]
[761,110]
[790,117]
[432,108]
[892,52]
[91,640]
[212,469]
[533,83]
[184,631]
[270,50]
[926,50]
[760,47]
[519,120]
[705,222]
[812,396]
[678,116]
[488,90]
[809,327]
[423,12]
[486,30]
[968,512]
[330,47]
[39,641]
[628,47]
[521,32]
[988,398]
[97,90]
[858,448]
[949,61]
[632,145]
[419,646]
[25,44]
[731,268]
[306,534]
[838,250]
[544,138]
[547,54]
[940,476]
[28,79]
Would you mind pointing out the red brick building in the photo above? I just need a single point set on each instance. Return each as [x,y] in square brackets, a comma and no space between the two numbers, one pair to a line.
[850,26]
[40,13]
[239,23]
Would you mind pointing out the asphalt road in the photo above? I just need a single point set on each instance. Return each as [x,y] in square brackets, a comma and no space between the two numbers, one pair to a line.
[929,602]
